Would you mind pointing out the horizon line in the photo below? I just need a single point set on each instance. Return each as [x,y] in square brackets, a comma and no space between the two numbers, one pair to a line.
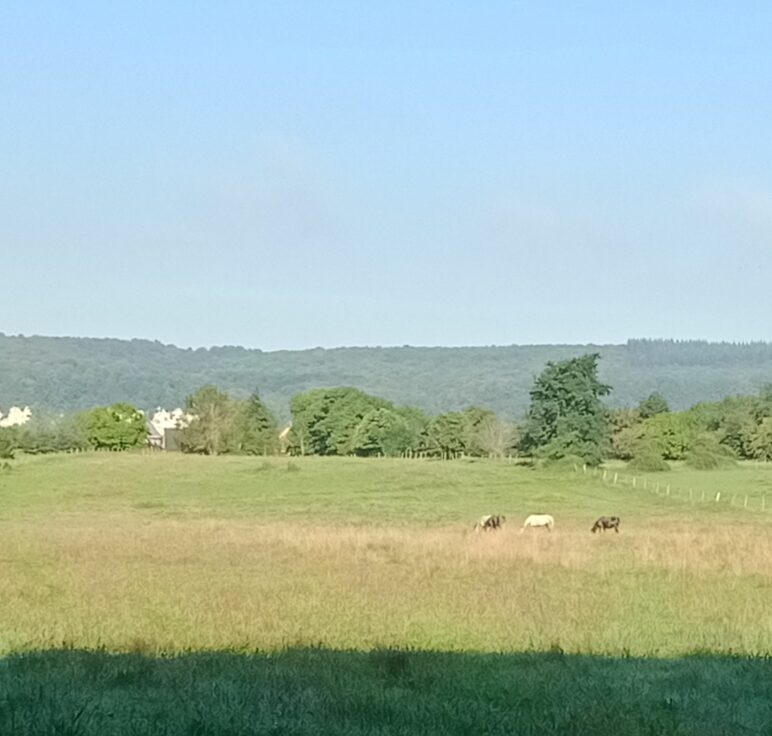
[590,344]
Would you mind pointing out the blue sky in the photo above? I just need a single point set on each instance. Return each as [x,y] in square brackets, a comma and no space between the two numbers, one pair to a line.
[295,174]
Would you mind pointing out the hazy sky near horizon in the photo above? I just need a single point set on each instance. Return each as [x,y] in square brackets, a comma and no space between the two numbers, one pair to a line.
[299,174]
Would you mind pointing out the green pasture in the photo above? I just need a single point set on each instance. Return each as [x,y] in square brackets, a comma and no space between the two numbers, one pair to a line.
[159,593]
[359,491]
[747,485]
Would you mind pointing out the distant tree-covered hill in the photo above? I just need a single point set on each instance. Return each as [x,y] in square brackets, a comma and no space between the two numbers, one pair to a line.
[67,374]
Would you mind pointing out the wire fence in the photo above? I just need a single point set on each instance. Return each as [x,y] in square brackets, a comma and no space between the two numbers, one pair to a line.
[747,501]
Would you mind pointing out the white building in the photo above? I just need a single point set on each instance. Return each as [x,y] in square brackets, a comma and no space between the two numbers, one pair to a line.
[16,417]
[163,428]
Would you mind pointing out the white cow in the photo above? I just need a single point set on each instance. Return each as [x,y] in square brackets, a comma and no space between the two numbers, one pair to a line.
[535,520]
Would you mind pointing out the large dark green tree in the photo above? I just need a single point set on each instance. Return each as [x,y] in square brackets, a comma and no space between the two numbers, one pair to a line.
[566,415]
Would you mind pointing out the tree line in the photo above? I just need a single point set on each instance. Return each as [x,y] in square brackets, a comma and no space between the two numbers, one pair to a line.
[76,374]
[566,420]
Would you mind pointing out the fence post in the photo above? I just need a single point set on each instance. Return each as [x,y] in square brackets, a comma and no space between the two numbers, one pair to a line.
[745,505]
[718,496]
[615,478]
[703,494]
[645,485]
[633,481]
[604,475]
[584,469]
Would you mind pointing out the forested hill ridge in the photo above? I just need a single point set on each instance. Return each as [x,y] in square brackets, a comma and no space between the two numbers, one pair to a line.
[67,374]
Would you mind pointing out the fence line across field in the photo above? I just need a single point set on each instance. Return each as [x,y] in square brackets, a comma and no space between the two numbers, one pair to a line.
[615,478]
[745,501]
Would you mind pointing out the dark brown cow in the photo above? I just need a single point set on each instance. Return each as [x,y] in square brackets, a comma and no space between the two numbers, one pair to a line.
[606,522]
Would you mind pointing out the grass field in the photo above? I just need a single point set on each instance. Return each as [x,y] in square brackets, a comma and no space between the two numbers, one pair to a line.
[207,591]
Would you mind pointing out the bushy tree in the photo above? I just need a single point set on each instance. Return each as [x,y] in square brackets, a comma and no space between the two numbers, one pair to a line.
[382,432]
[629,441]
[418,424]
[626,429]
[116,427]
[447,434]
[212,431]
[672,434]
[737,430]
[566,415]
[760,443]
[324,420]
[473,431]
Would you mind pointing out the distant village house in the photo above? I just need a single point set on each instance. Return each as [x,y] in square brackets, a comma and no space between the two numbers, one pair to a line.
[16,417]
[164,427]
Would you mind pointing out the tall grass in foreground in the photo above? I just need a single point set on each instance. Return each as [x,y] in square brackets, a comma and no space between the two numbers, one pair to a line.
[125,584]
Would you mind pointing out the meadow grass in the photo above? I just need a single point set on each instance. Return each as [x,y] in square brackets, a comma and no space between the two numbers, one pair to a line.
[278,567]
[747,485]
[345,490]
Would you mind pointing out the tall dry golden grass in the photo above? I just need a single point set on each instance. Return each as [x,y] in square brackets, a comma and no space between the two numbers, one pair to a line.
[120,582]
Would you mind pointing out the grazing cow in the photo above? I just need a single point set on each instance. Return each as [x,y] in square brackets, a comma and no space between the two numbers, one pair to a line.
[489,522]
[606,522]
[535,520]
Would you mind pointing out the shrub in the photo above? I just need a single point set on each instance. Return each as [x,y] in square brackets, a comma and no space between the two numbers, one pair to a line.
[570,447]
[649,461]
[647,456]
[567,462]
[708,453]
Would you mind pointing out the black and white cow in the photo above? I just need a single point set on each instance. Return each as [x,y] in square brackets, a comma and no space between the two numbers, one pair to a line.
[489,522]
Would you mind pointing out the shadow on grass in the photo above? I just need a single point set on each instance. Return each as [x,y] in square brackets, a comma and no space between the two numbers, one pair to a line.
[318,691]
